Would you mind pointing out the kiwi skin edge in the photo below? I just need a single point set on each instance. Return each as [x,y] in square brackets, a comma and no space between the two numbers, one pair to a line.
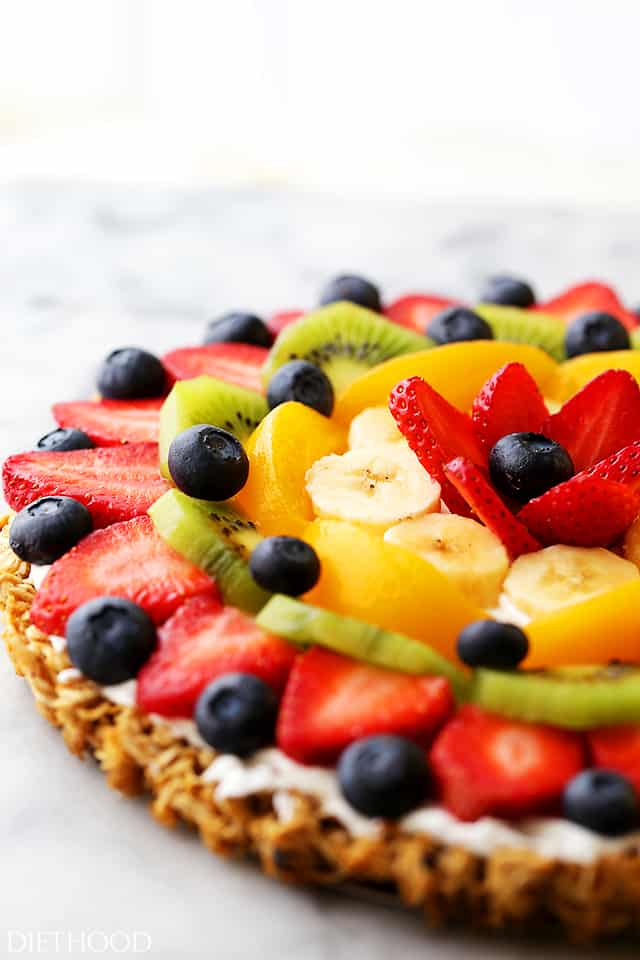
[305,625]
[576,698]
[215,538]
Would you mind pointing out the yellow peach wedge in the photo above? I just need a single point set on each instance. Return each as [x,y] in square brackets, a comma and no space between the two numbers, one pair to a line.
[288,441]
[596,631]
[576,373]
[457,371]
[365,578]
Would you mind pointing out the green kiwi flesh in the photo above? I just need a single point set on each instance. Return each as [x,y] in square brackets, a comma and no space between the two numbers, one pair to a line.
[578,698]
[306,625]
[526,326]
[215,538]
[207,400]
[343,339]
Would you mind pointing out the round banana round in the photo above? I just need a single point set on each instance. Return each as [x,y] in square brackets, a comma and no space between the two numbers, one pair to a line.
[373,486]
[372,427]
[541,582]
[464,550]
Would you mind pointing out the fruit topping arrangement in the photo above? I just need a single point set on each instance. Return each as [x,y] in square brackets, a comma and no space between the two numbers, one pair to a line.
[399,539]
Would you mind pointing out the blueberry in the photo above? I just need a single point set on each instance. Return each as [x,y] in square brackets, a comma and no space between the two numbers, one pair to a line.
[508,291]
[65,438]
[109,639]
[237,714]
[208,463]
[48,527]
[458,323]
[285,565]
[239,328]
[595,332]
[488,643]
[603,801]
[355,289]
[303,382]
[131,374]
[383,776]
[525,465]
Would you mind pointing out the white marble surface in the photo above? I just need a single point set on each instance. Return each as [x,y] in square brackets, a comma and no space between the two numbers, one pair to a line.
[82,270]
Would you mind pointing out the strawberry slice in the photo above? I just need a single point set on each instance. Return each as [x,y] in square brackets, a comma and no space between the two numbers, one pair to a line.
[416,310]
[480,496]
[599,420]
[583,512]
[110,422]
[331,700]
[436,431]
[114,483]
[126,560]
[620,467]
[278,321]
[585,297]
[509,402]
[617,748]
[204,640]
[239,363]
[485,765]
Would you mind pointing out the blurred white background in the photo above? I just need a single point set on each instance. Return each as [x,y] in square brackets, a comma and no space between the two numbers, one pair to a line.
[533,100]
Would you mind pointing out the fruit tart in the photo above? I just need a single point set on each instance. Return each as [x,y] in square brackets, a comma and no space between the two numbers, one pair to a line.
[356,591]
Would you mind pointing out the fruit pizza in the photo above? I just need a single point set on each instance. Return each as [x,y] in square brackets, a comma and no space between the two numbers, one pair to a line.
[356,591]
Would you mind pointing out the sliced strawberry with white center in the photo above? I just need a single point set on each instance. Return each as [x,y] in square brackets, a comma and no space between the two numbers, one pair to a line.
[239,363]
[202,641]
[510,402]
[127,560]
[436,431]
[416,310]
[485,765]
[585,298]
[482,500]
[617,748]
[599,420]
[583,512]
[111,422]
[331,700]
[114,483]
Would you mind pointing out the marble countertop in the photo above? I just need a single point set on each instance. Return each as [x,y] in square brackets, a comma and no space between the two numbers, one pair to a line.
[85,269]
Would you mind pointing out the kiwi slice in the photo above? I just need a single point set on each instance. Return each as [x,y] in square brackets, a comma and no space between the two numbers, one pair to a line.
[207,400]
[216,538]
[344,340]
[305,625]
[634,337]
[526,326]
[578,698]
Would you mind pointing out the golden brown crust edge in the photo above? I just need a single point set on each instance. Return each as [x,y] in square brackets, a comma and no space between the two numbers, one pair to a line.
[509,889]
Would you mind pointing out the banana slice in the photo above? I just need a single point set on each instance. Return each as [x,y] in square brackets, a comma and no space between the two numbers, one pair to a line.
[374,486]
[631,544]
[558,576]
[462,549]
[373,427]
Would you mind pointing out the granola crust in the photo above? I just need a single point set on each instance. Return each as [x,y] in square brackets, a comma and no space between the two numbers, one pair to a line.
[509,889]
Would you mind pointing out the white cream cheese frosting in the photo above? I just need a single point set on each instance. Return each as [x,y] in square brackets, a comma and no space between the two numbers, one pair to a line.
[272,771]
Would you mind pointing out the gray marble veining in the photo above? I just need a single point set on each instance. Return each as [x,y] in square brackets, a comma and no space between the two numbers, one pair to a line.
[85,269]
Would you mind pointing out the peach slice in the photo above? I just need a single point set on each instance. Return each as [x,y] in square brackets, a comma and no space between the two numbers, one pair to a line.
[576,373]
[457,371]
[604,628]
[288,441]
[383,584]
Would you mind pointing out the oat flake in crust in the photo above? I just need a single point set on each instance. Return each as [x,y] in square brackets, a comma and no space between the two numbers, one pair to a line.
[507,890]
